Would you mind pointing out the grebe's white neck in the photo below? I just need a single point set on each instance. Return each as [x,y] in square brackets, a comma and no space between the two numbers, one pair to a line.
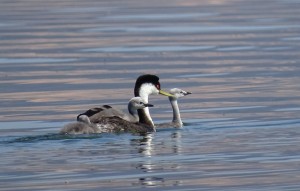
[176,112]
[145,90]
[177,93]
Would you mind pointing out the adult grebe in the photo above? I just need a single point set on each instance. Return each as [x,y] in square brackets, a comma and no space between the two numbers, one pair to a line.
[176,122]
[145,85]
[109,123]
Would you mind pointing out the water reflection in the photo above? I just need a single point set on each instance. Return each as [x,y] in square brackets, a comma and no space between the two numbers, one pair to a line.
[150,165]
[151,181]
[147,145]
[176,140]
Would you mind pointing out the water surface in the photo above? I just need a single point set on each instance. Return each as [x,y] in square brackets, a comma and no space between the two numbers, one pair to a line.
[240,59]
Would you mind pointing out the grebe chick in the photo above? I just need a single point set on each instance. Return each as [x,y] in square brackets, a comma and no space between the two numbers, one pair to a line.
[176,122]
[82,126]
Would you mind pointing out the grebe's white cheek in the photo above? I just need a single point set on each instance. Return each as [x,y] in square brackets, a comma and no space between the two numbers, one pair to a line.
[155,90]
[148,89]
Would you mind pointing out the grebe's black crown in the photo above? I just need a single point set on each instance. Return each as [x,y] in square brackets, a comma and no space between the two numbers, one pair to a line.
[147,78]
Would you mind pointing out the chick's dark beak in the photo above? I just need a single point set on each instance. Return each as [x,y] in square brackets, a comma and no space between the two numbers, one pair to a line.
[148,105]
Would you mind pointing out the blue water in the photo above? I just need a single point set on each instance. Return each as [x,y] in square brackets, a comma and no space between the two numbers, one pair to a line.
[195,29]
[235,153]
[149,49]
[240,59]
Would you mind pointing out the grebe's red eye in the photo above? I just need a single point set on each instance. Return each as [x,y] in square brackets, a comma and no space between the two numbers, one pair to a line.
[158,86]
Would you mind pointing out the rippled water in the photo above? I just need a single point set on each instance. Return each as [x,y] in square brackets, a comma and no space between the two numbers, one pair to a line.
[239,58]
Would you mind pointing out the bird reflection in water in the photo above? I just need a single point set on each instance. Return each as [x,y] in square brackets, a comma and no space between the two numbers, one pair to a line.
[143,144]
[146,148]
[176,137]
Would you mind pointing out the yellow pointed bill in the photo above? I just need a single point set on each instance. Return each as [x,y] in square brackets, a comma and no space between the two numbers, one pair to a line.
[162,92]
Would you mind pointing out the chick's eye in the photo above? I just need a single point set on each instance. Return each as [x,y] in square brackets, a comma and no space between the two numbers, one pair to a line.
[141,102]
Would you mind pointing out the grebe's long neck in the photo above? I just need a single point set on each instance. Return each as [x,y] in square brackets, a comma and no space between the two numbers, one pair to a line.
[176,112]
[144,117]
[144,114]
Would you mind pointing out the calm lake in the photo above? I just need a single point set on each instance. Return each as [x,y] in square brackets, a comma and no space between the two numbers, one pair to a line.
[241,60]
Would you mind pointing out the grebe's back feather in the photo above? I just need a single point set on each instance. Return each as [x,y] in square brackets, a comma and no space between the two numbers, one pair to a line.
[115,124]
[95,114]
